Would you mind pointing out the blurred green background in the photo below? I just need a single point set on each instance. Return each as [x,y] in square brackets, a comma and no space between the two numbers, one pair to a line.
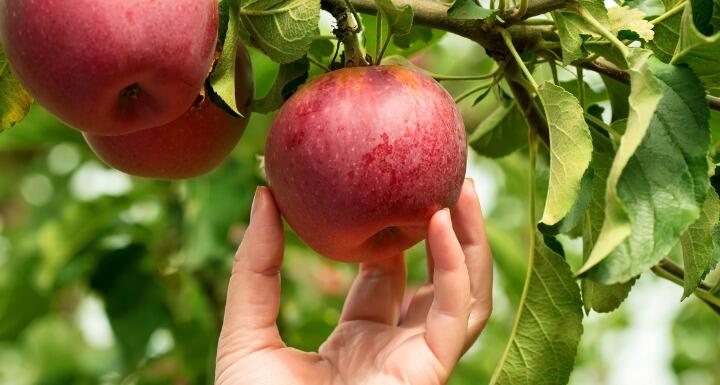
[108,279]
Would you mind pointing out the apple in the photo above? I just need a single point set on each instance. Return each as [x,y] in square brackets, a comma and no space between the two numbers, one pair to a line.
[192,145]
[111,67]
[359,159]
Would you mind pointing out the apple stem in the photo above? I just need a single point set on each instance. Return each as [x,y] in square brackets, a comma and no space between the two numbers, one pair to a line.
[348,32]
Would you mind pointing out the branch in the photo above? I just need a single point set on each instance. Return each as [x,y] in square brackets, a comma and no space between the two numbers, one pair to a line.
[526,103]
[434,15]
[610,70]
[670,271]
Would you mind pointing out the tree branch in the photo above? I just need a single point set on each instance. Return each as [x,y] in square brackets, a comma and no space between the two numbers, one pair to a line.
[434,15]
[670,271]
[526,102]
[608,69]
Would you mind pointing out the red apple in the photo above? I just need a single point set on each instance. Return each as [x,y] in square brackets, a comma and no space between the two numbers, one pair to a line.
[360,158]
[192,145]
[111,67]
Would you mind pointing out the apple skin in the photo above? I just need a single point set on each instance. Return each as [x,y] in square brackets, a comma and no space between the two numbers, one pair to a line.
[111,67]
[192,145]
[359,159]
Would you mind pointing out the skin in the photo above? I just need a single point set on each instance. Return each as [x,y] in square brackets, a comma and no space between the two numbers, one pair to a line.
[111,67]
[373,344]
[359,159]
[191,145]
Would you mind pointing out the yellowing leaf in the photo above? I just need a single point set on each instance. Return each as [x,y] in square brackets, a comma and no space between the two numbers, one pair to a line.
[570,150]
[14,100]
[630,19]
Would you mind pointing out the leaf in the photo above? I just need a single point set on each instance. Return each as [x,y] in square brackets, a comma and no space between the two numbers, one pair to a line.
[697,50]
[629,19]
[649,207]
[290,76]
[597,9]
[596,296]
[544,340]
[399,19]
[666,37]
[15,101]
[570,223]
[282,29]
[698,249]
[573,32]
[645,95]
[222,79]
[418,38]
[501,133]
[469,10]
[570,150]
[321,49]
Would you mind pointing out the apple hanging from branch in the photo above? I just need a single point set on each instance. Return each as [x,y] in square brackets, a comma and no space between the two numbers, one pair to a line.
[360,158]
[111,67]
[191,145]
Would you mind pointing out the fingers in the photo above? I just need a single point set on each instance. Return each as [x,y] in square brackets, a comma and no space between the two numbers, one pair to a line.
[253,299]
[447,319]
[377,293]
[417,312]
[470,230]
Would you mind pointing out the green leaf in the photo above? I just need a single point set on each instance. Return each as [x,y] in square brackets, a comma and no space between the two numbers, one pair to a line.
[469,10]
[544,340]
[321,49]
[570,224]
[573,32]
[698,249]
[697,50]
[570,150]
[597,9]
[222,79]
[417,38]
[596,296]
[15,101]
[283,29]
[629,19]
[501,133]
[645,95]
[399,19]
[290,76]
[649,207]
[666,37]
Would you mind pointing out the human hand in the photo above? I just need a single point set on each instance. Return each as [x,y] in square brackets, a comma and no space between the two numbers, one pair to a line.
[374,343]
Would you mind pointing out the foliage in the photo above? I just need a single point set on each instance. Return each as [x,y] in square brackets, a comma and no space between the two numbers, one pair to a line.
[623,168]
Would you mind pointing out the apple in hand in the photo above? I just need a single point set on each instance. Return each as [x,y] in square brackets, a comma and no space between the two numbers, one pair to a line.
[359,159]
[111,67]
[192,145]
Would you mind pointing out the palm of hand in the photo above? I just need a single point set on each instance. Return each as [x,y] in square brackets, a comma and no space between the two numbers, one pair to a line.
[372,344]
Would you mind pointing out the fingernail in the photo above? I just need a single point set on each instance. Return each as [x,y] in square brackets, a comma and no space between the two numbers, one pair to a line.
[447,212]
[471,181]
[256,201]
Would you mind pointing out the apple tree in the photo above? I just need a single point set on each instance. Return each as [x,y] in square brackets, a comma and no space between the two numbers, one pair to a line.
[608,108]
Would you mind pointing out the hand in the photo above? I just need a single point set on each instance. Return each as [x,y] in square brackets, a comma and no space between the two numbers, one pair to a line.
[373,343]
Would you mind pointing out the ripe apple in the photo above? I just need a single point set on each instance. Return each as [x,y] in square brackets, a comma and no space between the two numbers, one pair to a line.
[360,158]
[111,67]
[192,145]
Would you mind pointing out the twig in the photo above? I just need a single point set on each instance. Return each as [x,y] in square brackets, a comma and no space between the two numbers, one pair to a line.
[670,13]
[606,68]
[668,270]
[318,63]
